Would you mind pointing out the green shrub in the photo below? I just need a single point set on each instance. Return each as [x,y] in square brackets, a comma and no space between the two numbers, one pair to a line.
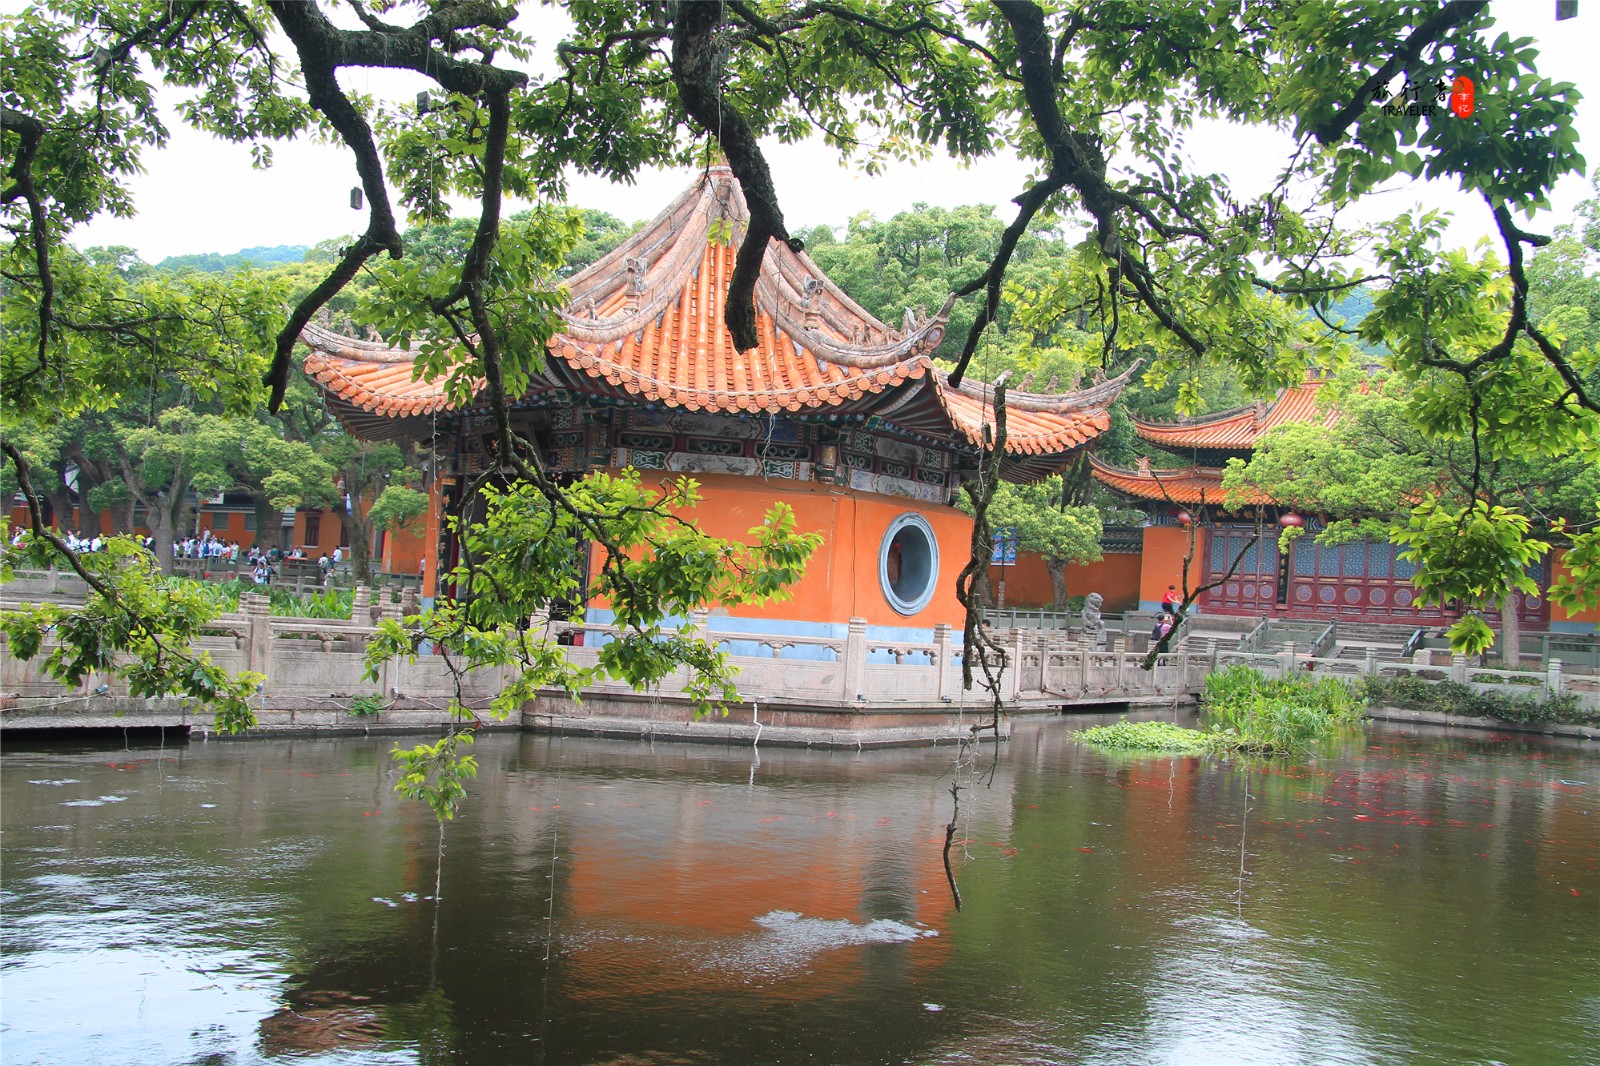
[366,706]
[1450,697]
[224,596]
[329,603]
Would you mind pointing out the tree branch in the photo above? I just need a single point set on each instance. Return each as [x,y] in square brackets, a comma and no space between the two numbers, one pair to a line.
[30,132]
[323,49]
[697,67]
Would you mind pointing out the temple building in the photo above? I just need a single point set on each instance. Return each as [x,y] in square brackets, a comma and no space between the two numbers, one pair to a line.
[845,418]
[1365,582]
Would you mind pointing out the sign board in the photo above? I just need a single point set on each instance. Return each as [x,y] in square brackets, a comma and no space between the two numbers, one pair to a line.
[1005,548]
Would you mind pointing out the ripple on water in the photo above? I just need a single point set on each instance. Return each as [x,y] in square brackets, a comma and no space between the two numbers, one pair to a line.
[791,940]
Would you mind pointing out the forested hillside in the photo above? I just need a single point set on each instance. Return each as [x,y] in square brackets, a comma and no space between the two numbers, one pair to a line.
[259,257]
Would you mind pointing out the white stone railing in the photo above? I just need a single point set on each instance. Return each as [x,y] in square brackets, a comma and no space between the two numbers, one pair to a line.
[321,659]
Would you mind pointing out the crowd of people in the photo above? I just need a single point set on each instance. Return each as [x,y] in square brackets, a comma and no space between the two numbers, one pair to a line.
[206,547]
[262,564]
[77,541]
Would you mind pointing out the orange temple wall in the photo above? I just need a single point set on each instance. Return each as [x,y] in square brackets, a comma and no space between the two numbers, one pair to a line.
[841,581]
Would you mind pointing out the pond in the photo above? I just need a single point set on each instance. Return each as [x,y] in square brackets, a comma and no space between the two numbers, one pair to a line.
[1420,897]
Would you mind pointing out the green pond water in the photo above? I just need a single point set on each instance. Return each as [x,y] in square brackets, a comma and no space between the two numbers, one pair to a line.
[1417,897]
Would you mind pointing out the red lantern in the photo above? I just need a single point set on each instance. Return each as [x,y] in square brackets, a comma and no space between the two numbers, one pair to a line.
[1184,518]
[1289,518]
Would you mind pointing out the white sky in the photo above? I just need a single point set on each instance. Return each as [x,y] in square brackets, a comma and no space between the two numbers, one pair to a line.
[200,194]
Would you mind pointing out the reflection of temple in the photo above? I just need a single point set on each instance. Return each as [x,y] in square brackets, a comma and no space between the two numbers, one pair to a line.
[669,885]
[1364,581]
[841,416]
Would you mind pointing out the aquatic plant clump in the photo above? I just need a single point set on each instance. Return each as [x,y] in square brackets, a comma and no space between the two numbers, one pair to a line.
[1249,712]
[1165,737]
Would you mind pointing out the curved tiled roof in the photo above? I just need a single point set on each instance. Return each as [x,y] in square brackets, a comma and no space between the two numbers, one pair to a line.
[645,323]
[1237,430]
[371,376]
[683,356]
[1193,484]
[1035,424]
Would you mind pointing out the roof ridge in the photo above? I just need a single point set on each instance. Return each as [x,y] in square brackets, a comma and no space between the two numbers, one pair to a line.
[1097,395]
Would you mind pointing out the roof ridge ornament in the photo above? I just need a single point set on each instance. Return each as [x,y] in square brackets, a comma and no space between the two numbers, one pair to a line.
[636,266]
[810,290]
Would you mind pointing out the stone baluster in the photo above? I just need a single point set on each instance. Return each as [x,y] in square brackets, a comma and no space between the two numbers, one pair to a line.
[1369,665]
[1289,666]
[257,611]
[941,661]
[854,674]
[362,612]
[1011,667]
[1552,678]
[1458,669]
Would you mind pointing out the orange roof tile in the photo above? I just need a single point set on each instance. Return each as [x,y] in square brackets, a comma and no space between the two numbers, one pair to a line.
[1237,430]
[646,322]
[371,376]
[1194,484]
[1035,424]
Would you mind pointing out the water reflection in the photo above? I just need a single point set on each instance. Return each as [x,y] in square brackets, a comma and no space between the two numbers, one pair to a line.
[1411,898]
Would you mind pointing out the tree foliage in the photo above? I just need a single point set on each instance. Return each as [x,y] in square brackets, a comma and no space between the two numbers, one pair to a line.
[1097,96]
[1038,520]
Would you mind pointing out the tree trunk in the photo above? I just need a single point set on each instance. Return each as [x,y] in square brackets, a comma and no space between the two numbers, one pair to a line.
[1510,632]
[359,534]
[982,590]
[91,475]
[60,509]
[1058,582]
[163,520]
[269,526]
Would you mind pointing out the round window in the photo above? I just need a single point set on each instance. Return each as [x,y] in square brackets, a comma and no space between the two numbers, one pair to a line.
[908,563]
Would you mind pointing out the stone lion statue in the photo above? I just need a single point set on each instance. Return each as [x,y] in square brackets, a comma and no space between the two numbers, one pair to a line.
[1094,628]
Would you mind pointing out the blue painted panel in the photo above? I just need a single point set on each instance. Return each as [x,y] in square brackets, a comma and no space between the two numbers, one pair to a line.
[1355,559]
[777,627]
[1380,559]
[911,634]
